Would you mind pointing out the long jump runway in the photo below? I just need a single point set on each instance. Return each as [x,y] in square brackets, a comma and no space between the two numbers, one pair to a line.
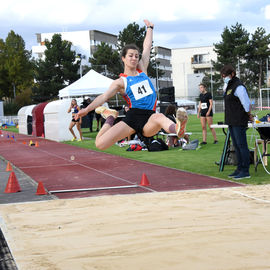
[64,167]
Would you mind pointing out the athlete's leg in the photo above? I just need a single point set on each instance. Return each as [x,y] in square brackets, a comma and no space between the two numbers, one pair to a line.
[78,125]
[204,130]
[159,120]
[71,125]
[210,122]
[109,134]
[156,122]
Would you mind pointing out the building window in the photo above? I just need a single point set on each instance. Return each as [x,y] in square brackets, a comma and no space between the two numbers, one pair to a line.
[199,58]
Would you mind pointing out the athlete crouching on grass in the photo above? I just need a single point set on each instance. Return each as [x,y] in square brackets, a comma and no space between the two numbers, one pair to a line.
[136,88]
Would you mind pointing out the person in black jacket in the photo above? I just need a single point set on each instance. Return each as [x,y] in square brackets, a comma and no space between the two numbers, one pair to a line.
[237,115]
[90,115]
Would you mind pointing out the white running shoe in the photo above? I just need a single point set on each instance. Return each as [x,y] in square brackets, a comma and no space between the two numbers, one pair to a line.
[106,112]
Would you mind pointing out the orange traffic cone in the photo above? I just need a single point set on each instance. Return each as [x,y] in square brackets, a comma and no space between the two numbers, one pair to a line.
[12,184]
[144,180]
[42,135]
[36,145]
[40,189]
[8,168]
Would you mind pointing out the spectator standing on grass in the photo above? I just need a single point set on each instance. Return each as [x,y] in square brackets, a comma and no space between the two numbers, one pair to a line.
[90,115]
[205,113]
[74,109]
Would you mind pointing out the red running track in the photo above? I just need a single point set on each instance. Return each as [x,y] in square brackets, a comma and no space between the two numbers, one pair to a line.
[51,164]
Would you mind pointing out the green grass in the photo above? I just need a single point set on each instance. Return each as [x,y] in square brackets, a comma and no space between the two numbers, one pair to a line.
[200,161]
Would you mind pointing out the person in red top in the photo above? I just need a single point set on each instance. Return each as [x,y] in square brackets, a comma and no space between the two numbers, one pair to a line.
[135,86]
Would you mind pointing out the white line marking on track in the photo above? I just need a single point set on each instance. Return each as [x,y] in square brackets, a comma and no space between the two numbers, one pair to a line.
[251,197]
[88,167]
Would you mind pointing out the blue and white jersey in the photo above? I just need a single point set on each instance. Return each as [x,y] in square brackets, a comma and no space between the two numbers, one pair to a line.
[140,92]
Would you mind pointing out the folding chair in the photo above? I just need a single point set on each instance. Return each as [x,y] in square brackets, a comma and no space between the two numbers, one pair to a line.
[265,139]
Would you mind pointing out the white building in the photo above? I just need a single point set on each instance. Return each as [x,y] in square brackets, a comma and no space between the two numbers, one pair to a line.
[188,68]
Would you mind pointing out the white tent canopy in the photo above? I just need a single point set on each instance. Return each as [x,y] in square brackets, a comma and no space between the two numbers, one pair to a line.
[92,83]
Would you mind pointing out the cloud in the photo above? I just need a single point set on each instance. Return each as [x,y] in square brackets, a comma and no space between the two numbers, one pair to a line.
[171,10]
[267,12]
[45,12]
[69,12]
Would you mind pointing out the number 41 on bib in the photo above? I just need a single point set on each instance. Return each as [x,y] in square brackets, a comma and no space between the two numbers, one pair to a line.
[141,89]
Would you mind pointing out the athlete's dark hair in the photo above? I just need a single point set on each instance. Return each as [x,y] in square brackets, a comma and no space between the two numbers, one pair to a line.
[129,47]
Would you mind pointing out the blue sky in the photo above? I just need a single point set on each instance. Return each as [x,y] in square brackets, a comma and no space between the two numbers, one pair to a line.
[178,23]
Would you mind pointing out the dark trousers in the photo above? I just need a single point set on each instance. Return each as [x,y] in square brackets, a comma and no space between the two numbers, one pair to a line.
[90,119]
[239,139]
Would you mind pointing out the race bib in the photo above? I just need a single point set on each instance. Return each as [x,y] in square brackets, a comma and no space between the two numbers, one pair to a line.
[204,105]
[141,89]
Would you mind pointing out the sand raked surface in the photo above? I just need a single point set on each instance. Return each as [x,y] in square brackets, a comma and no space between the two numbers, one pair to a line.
[202,229]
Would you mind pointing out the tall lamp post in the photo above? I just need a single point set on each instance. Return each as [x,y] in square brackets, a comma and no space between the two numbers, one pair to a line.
[211,74]
[79,56]
[267,75]
[14,90]
[211,78]
[267,67]
[157,84]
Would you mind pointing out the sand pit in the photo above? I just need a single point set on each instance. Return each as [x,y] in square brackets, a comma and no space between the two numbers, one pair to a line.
[202,229]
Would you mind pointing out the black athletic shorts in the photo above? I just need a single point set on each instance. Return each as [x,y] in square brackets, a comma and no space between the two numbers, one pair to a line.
[97,115]
[204,112]
[73,119]
[137,118]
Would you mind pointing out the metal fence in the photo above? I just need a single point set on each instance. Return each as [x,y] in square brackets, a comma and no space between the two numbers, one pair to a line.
[9,119]
[218,105]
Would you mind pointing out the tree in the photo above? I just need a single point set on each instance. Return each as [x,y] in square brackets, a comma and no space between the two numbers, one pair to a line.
[257,56]
[132,34]
[3,71]
[57,70]
[247,54]
[106,61]
[15,66]
[233,49]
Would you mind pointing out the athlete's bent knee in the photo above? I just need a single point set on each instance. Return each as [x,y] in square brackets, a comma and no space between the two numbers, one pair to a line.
[100,145]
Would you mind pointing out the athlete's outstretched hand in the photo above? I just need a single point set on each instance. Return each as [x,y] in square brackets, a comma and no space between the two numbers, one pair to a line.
[148,23]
